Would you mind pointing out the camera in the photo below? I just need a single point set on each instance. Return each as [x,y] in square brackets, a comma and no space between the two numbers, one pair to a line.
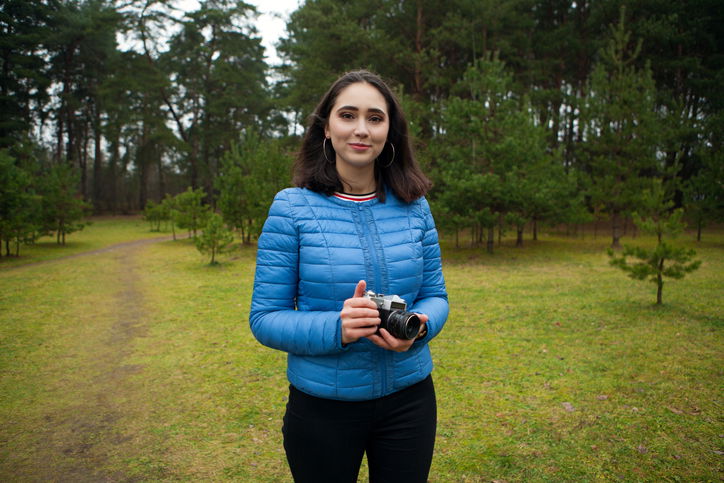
[394,318]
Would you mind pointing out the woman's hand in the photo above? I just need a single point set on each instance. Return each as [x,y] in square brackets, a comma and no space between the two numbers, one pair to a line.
[359,315]
[385,340]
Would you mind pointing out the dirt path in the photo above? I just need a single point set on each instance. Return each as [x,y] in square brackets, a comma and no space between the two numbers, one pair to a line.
[80,440]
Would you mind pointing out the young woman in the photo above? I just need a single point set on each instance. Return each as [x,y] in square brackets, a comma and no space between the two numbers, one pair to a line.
[358,221]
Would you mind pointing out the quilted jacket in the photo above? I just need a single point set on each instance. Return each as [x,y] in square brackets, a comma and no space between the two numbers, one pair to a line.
[312,252]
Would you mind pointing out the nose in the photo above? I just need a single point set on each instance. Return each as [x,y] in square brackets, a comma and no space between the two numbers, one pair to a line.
[360,129]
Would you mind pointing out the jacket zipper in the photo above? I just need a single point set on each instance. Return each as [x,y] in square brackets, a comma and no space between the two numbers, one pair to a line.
[375,260]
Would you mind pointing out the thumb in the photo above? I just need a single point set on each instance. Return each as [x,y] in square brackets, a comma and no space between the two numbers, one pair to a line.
[360,288]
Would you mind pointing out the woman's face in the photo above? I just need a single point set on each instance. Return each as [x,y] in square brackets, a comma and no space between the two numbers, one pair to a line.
[358,125]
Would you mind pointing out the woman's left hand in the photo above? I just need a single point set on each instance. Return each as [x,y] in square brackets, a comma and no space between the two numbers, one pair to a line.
[387,341]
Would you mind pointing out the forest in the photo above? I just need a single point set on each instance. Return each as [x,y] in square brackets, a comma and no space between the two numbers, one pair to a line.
[524,112]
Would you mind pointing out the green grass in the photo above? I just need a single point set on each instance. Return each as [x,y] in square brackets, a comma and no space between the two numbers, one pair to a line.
[100,233]
[138,365]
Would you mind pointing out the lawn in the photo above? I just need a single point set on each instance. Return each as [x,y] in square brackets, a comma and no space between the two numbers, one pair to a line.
[100,232]
[137,364]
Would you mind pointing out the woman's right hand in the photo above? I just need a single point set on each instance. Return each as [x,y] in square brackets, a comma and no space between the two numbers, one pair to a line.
[359,315]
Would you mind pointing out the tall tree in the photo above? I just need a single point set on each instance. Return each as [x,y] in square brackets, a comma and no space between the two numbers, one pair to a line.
[704,191]
[82,43]
[219,84]
[24,80]
[621,127]
[494,158]
[252,172]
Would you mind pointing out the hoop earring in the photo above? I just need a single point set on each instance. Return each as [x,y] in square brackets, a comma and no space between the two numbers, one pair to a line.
[392,159]
[324,151]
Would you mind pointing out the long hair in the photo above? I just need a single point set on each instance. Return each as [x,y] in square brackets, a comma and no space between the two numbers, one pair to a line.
[396,169]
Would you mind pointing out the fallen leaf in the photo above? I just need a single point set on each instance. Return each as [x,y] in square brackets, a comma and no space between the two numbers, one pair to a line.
[642,449]
[568,407]
[602,397]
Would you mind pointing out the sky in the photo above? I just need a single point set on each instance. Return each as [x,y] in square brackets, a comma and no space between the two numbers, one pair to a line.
[271,24]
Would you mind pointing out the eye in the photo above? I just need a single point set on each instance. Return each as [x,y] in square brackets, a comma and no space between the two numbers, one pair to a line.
[346,115]
[377,119]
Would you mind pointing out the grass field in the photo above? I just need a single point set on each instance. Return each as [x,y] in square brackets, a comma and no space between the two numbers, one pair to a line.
[137,364]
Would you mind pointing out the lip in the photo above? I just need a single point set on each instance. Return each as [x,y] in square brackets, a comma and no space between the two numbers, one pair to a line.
[359,146]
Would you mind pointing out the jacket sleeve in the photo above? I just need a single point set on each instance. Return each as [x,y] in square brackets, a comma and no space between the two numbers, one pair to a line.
[273,318]
[432,298]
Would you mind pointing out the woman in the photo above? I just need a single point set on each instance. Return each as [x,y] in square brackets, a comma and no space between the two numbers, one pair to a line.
[357,221]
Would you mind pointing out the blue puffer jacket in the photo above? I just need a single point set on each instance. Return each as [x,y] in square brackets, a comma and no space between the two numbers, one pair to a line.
[312,252]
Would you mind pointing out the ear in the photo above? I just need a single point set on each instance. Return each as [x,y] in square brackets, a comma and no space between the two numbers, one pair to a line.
[326,131]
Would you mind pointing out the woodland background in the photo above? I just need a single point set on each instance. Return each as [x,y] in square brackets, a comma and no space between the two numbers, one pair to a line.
[127,358]
[523,111]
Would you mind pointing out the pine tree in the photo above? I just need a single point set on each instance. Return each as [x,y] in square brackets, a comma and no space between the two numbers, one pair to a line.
[190,211]
[664,260]
[63,209]
[215,238]
[621,128]
[19,205]
[252,172]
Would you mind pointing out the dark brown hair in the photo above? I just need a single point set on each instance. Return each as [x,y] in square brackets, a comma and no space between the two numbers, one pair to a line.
[403,175]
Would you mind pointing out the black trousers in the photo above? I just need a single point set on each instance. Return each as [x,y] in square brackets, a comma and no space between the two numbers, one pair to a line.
[325,440]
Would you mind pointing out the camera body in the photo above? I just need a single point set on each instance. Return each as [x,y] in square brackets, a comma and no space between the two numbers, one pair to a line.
[398,322]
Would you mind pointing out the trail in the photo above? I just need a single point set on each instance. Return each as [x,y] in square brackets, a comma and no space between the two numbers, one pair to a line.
[78,441]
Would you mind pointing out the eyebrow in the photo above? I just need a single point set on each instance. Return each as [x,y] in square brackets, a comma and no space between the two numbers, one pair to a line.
[355,108]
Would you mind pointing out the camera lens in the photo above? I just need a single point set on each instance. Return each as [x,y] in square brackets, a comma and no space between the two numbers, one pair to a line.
[403,325]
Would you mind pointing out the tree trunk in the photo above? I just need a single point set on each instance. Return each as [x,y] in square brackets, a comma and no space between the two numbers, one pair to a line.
[97,161]
[161,179]
[660,279]
[59,136]
[491,240]
[616,230]
[142,163]
[71,128]
[418,50]
[83,162]
[519,239]
[500,230]
[112,199]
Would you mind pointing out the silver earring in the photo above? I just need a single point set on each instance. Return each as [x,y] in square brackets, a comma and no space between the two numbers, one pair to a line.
[392,159]
[324,150]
